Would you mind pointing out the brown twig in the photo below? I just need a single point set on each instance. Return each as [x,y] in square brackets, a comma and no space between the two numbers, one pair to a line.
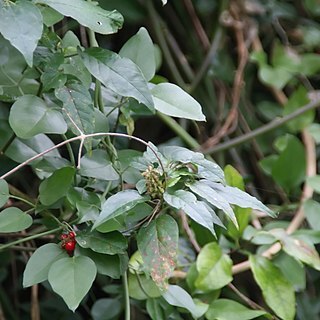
[232,119]
[189,232]
[35,309]
[247,300]
[197,25]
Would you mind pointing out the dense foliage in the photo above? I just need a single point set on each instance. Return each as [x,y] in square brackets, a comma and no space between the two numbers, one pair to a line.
[112,206]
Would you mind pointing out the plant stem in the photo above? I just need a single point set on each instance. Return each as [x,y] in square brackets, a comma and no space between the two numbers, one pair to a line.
[82,137]
[126,296]
[208,60]
[34,236]
[262,130]
[183,134]
[70,151]
[23,200]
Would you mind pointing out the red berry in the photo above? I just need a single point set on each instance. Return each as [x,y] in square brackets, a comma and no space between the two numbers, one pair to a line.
[70,245]
[72,234]
[63,236]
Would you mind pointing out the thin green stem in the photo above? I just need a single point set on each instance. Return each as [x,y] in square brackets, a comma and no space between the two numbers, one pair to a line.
[70,151]
[23,200]
[126,296]
[262,130]
[34,236]
[176,128]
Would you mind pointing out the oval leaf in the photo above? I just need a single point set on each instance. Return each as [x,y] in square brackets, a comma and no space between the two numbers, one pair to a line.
[224,309]
[21,24]
[177,296]
[4,192]
[14,220]
[214,268]
[276,289]
[140,50]
[40,262]
[158,244]
[78,106]
[121,75]
[173,101]
[118,204]
[109,243]
[30,115]
[72,278]
[56,186]
[88,14]
[96,165]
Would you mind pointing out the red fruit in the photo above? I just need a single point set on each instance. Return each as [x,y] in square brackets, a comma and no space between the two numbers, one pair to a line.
[72,234]
[70,245]
[63,236]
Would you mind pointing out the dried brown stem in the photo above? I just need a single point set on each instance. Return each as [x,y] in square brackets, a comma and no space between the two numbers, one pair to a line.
[197,25]
[189,232]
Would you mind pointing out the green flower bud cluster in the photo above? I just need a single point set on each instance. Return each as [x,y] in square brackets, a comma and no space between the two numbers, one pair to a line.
[154,183]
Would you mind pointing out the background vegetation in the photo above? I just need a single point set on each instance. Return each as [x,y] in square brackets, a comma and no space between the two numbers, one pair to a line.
[159,231]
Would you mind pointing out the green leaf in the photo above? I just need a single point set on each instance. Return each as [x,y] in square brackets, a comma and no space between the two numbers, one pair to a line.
[314,130]
[14,220]
[292,269]
[298,249]
[206,169]
[234,179]
[142,287]
[50,16]
[56,186]
[88,14]
[177,296]
[214,268]
[96,165]
[72,278]
[288,173]
[118,204]
[21,150]
[311,210]
[276,289]
[196,210]
[154,310]
[158,244]
[109,243]
[275,77]
[21,24]
[139,48]
[121,75]
[225,309]
[78,106]
[173,101]
[13,66]
[314,183]
[204,190]
[74,66]
[240,198]
[40,262]
[107,265]
[106,309]
[30,115]
[298,99]
[4,192]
